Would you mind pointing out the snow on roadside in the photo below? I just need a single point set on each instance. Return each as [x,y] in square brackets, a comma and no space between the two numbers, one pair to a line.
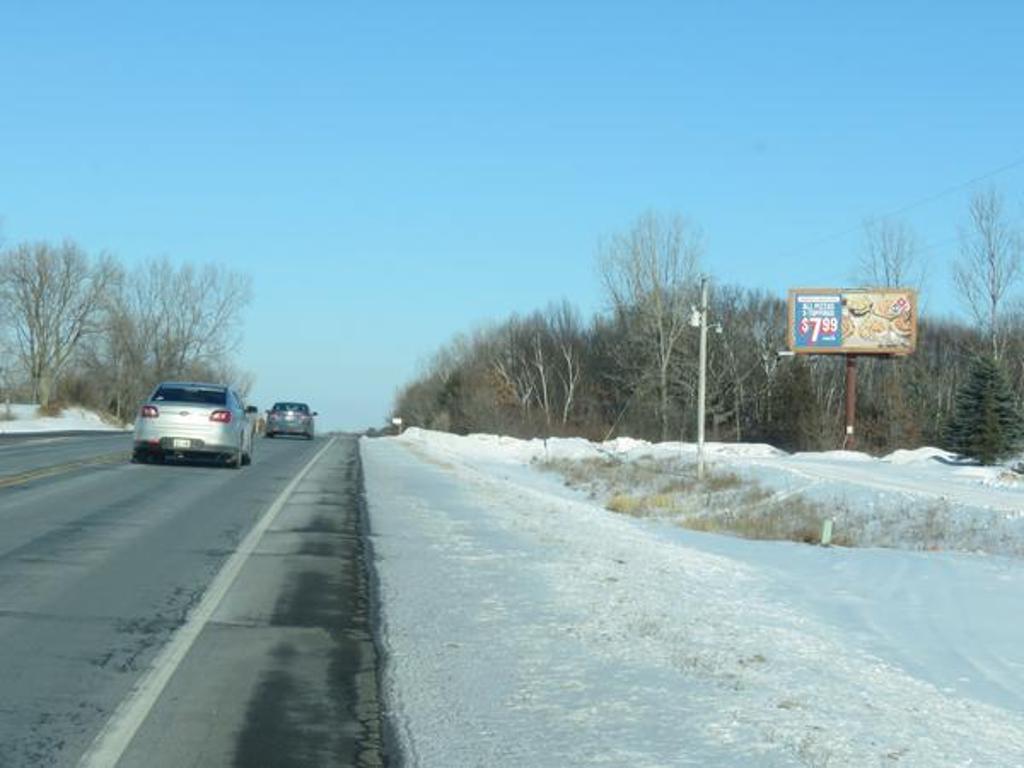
[913,468]
[527,628]
[26,420]
[497,449]
[921,456]
[926,498]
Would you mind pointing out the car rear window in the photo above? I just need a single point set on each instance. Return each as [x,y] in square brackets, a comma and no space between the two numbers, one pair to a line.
[192,395]
[300,407]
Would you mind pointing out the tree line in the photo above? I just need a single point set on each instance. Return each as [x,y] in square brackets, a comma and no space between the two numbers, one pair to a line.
[632,370]
[83,329]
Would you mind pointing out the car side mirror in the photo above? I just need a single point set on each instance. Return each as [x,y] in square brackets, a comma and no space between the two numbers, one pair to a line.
[315,413]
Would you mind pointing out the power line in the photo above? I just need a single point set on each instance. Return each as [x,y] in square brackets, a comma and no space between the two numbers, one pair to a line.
[929,247]
[957,187]
[911,206]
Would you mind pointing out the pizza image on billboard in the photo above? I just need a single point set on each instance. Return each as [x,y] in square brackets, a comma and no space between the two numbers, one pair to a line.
[863,321]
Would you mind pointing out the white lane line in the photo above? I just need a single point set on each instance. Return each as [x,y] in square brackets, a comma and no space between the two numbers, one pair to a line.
[111,742]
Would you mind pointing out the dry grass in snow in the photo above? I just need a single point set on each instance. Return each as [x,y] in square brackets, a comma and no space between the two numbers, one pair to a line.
[728,502]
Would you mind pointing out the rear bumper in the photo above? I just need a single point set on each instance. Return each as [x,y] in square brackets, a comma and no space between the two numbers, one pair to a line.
[186,447]
[205,437]
[289,428]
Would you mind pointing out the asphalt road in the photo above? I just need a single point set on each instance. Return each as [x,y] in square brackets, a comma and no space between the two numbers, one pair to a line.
[24,454]
[186,615]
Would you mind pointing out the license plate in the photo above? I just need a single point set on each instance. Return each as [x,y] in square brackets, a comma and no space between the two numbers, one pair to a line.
[180,443]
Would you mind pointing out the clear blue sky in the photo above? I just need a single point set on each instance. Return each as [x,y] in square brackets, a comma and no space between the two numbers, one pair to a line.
[391,174]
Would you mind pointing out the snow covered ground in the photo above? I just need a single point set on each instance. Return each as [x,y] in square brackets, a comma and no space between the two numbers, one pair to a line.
[526,625]
[26,419]
[921,499]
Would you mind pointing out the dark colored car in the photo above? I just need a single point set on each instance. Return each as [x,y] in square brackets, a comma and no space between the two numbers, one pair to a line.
[288,418]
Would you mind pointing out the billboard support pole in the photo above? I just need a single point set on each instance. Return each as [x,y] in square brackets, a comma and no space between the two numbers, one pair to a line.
[850,439]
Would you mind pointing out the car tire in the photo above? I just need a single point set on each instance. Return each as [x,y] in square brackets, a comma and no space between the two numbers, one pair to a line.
[234,461]
[246,459]
[270,435]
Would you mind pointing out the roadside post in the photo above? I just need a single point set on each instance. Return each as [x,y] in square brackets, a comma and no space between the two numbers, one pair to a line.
[396,422]
[826,532]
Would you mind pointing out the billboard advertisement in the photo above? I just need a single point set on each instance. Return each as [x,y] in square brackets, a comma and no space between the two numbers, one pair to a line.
[860,321]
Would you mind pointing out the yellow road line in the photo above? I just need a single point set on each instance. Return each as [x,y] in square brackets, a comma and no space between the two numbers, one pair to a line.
[7,481]
[32,442]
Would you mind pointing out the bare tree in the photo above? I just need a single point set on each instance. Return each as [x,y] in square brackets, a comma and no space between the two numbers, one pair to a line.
[164,321]
[512,364]
[198,313]
[184,317]
[890,254]
[53,297]
[989,265]
[890,260]
[541,365]
[649,273]
[565,330]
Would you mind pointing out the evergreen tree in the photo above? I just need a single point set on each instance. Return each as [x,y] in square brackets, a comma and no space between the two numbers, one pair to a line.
[796,423]
[986,424]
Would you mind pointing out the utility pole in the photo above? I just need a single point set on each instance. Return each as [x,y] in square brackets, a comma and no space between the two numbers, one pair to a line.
[702,381]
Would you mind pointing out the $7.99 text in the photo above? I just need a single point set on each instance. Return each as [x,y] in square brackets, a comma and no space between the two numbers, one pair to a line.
[817,326]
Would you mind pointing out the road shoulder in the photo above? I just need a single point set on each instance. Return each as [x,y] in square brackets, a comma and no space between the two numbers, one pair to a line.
[285,672]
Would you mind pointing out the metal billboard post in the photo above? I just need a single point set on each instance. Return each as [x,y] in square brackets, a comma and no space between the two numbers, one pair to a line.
[850,439]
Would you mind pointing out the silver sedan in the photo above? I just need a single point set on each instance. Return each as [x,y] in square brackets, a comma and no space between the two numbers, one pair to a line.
[290,419]
[189,420]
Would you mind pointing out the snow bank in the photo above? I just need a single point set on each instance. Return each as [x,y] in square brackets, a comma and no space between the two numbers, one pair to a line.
[500,448]
[835,455]
[922,456]
[26,420]
[922,472]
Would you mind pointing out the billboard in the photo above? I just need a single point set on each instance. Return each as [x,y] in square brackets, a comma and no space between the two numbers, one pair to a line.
[857,321]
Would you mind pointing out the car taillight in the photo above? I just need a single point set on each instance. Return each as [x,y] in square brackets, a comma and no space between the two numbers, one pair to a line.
[224,417]
[150,412]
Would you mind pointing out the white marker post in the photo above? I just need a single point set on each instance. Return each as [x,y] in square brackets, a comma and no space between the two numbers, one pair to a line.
[826,532]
